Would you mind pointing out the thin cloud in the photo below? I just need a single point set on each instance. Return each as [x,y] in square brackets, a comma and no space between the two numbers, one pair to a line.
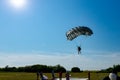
[84,62]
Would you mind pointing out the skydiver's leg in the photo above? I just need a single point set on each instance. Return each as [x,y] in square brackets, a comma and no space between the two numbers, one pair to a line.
[79,50]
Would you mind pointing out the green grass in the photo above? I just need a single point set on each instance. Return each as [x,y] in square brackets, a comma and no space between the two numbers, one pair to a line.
[32,76]
[17,76]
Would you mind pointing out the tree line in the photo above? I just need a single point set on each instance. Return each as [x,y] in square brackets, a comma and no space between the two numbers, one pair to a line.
[49,69]
[110,69]
[38,68]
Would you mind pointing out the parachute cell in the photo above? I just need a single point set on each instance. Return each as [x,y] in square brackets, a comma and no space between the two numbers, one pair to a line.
[77,31]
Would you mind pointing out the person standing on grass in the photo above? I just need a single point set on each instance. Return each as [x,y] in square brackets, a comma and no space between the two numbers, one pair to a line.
[88,75]
[60,75]
[37,75]
[53,75]
[67,75]
[43,77]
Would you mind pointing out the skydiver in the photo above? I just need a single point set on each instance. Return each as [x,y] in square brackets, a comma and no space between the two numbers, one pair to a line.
[79,49]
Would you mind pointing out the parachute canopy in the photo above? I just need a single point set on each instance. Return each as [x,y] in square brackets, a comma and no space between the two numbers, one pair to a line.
[77,31]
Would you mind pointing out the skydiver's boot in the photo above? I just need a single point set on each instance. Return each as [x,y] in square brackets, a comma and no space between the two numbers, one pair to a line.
[79,52]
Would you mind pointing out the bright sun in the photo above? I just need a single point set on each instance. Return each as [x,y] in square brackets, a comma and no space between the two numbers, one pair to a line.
[18,3]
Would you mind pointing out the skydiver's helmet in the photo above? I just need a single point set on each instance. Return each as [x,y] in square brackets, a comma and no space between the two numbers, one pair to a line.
[113,76]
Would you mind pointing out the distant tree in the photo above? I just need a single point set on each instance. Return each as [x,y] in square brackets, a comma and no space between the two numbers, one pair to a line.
[27,69]
[110,69]
[6,68]
[116,67]
[21,69]
[12,69]
[36,68]
[75,69]
[59,68]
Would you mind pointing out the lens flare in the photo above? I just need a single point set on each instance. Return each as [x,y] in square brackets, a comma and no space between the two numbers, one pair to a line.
[18,3]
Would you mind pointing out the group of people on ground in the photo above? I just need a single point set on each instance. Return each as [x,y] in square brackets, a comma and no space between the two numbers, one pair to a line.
[40,76]
[112,76]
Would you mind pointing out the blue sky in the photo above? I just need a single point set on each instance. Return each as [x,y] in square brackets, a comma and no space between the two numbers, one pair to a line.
[36,34]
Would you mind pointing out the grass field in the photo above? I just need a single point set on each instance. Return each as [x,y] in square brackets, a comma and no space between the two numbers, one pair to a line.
[32,76]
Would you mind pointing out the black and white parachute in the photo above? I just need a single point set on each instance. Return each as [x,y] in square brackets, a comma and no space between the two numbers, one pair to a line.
[77,31]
